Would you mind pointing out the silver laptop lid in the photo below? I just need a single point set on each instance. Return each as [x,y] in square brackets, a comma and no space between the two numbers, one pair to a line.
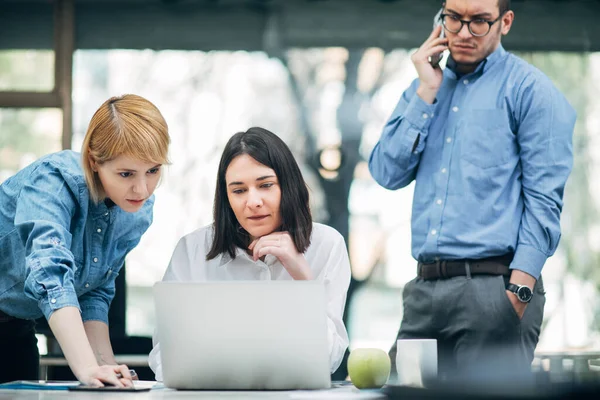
[243,334]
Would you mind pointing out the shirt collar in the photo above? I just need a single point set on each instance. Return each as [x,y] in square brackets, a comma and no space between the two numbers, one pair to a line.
[103,209]
[483,66]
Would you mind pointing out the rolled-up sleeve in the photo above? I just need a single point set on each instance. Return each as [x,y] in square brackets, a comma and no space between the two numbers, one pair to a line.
[95,303]
[545,139]
[395,157]
[45,207]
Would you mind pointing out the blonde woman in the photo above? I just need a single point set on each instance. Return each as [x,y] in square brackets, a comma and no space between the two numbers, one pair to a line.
[67,221]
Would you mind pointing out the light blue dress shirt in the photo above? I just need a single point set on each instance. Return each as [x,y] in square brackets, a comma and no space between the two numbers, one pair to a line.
[490,158]
[58,248]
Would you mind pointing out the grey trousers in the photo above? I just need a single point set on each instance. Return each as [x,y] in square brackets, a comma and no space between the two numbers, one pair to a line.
[480,336]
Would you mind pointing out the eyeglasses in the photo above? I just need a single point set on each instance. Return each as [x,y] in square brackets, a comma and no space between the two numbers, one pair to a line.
[477,27]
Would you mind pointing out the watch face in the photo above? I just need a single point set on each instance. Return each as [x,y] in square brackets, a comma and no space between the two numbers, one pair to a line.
[524,294]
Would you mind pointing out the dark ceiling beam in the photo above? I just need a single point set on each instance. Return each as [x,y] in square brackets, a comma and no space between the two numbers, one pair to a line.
[241,24]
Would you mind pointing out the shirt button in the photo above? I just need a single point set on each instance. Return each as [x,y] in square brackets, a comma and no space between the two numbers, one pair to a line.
[53,301]
[415,152]
[95,259]
[444,170]
[106,214]
[87,285]
[466,81]
[98,230]
[425,116]
[438,202]
[433,232]
[448,140]
[455,109]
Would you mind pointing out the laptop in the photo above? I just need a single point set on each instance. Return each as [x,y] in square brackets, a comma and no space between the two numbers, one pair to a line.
[243,335]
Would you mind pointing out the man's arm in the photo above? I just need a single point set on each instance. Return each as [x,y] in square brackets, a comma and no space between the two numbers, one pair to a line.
[394,159]
[544,135]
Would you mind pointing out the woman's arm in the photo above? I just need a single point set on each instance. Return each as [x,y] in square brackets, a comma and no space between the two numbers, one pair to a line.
[97,334]
[67,327]
[46,206]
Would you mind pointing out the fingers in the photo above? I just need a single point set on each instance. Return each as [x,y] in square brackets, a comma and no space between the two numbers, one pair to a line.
[258,252]
[125,375]
[436,45]
[439,41]
[96,383]
[113,375]
[435,33]
[126,382]
[274,238]
[424,55]
[124,371]
[274,250]
[433,38]
[436,50]
[252,244]
[111,379]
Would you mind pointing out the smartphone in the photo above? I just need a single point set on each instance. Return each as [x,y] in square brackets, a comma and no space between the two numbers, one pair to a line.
[437,21]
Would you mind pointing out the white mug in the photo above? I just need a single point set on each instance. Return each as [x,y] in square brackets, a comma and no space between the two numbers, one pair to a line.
[416,362]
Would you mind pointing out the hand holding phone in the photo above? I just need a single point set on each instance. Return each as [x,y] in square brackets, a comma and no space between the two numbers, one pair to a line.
[426,61]
[435,59]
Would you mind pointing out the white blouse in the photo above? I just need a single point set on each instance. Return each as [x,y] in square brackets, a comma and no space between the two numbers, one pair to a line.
[327,257]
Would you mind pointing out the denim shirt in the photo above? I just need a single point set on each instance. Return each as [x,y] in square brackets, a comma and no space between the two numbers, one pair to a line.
[490,158]
[57,247]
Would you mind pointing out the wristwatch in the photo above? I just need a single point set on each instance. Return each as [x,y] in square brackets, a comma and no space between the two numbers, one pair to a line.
[524,293]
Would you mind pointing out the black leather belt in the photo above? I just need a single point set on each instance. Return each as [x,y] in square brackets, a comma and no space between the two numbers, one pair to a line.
[448,269]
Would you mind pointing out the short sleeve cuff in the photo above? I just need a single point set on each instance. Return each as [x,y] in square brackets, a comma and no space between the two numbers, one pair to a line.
[529,259]
[419,113]
[56,299]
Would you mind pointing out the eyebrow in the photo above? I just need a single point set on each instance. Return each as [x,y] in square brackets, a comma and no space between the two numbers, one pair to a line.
[133,170]
[479,15]
[260,178]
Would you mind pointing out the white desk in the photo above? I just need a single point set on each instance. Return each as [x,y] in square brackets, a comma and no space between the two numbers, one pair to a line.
[348,392]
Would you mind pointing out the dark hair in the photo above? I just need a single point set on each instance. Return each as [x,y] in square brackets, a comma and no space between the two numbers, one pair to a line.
[503,5]
[269,150]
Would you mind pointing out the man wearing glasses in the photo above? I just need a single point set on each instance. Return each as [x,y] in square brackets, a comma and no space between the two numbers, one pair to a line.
[488,141]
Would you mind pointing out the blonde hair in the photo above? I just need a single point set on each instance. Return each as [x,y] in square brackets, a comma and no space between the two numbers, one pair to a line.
[124,125]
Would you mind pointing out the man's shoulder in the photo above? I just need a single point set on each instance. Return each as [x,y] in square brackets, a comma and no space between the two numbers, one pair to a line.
[526,72]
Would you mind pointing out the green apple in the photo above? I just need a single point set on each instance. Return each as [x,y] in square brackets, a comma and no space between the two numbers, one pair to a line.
[369,368]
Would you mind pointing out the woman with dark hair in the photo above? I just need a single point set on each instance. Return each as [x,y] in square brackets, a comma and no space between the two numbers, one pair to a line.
[263,230]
